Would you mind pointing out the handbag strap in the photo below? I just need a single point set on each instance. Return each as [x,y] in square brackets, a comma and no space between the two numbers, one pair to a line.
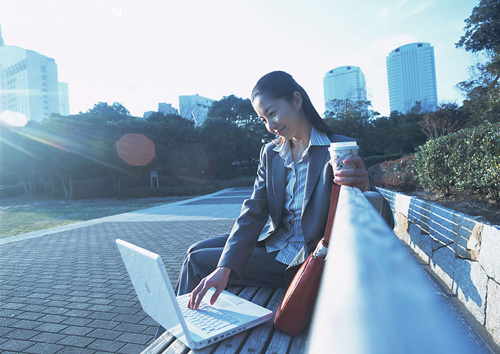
[331,213]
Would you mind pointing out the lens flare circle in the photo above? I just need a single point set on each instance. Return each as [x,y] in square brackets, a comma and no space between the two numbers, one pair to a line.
[136,149]
[13,119]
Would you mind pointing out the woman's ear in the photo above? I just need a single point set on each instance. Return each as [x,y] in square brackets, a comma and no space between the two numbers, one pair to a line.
[297,100]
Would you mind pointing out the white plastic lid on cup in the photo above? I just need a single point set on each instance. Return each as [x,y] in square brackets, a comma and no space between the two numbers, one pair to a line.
[344,145]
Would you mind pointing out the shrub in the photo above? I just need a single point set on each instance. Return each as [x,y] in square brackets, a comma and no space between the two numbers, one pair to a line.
[376,159]
[395,174]
[467,161]
[432,165]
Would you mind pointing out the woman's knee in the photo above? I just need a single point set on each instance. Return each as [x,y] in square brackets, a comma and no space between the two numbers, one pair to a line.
[195,246]
[213,242]
[206,259]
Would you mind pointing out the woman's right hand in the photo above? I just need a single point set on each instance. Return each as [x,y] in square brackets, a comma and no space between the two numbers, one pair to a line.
[217,279]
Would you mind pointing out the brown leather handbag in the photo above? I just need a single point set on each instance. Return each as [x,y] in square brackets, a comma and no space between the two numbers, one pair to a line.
[296,308]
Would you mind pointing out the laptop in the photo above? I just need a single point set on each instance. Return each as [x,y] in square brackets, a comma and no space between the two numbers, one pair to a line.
[195,328]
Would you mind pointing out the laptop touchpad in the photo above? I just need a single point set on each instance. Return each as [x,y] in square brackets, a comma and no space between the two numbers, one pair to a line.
[227,301]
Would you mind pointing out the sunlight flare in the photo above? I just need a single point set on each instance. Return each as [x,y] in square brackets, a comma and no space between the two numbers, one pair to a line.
[13,119]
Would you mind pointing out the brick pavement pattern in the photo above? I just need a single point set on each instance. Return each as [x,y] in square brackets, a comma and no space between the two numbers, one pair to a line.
[69,291]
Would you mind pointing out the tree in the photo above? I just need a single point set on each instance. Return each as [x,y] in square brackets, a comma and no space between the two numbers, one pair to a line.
[223,142]
[483,95]
[103,111]
[74,147]
[342,109]
[353,119]
[234,109]
[448,118]
[482,30]
[20,155]
[482,34]
[242,124]
[397,134]
[178,144]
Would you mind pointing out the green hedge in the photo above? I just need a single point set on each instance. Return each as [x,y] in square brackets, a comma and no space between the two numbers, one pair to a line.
[467,161]
[376,159]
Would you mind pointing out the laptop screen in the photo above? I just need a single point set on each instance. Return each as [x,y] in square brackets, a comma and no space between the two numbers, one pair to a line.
[151,284]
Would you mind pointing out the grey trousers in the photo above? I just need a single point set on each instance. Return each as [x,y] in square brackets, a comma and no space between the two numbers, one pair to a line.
[202,258]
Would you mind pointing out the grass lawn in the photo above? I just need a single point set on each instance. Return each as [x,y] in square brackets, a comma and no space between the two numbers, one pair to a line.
[20,215]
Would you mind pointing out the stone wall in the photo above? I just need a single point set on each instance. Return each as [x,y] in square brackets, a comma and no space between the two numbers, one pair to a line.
[463,252]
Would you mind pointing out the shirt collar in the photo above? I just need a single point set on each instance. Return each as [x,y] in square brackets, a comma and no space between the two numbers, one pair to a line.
[317,139]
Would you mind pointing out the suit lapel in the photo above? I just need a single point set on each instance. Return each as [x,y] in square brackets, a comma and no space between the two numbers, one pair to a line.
[317,157]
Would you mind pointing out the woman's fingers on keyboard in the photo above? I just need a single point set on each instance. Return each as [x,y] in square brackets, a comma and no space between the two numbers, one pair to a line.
[217,279]
[216,294]
[197,295]
[200,294]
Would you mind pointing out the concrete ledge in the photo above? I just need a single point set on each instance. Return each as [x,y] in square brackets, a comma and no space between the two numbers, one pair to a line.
[489,254]
[461,251]
[493,315]
[374,298]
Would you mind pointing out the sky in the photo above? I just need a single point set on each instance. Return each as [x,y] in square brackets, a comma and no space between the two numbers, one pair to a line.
[140,53]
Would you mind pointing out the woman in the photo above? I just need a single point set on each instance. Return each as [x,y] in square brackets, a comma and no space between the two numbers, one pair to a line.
[286,215]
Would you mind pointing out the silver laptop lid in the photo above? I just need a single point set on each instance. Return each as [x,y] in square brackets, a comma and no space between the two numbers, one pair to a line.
[153,287]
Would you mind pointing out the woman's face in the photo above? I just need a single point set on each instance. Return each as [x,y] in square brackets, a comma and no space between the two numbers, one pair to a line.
[280,116]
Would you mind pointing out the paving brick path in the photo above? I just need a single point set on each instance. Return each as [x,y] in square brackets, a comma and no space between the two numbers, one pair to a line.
[67,290]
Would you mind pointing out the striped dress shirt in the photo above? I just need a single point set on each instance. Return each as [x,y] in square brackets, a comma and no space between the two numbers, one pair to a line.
[289,239]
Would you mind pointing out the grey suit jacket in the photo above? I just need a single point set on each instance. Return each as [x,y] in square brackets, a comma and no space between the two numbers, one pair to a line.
[261,214]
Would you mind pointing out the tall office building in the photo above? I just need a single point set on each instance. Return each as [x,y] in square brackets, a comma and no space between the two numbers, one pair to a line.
[194,107]
[165,108]
[344,83]
[411,75]
[63,99]
[29,83]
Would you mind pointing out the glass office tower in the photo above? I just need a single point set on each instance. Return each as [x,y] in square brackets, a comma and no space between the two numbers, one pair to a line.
[344,83]
[29,83]
[411,76]
[194,107]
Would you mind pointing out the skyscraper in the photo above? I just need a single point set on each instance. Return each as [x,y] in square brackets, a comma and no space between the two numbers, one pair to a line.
[411,75]
[29,83]
[164,108]
[194,107]
[63,99]
[345,82]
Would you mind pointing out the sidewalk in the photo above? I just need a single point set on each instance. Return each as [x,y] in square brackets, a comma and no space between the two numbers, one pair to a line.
[66,289]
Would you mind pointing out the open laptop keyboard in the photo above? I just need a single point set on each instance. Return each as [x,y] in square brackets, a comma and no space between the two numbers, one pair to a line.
[207,317]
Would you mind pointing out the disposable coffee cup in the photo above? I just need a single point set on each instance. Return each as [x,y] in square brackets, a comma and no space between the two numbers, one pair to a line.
[340,151]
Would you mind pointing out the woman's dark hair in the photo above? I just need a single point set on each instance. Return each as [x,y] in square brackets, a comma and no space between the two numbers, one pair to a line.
[279,84]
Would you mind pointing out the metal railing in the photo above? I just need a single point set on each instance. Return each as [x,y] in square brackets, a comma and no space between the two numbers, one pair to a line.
[374,297]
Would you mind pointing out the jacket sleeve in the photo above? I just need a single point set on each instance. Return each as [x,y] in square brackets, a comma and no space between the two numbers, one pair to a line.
[246,230]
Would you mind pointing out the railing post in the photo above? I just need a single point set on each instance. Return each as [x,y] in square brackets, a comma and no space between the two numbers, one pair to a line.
[374,297]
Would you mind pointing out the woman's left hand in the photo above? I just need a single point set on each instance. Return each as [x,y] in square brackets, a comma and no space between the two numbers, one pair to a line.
[354,177]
